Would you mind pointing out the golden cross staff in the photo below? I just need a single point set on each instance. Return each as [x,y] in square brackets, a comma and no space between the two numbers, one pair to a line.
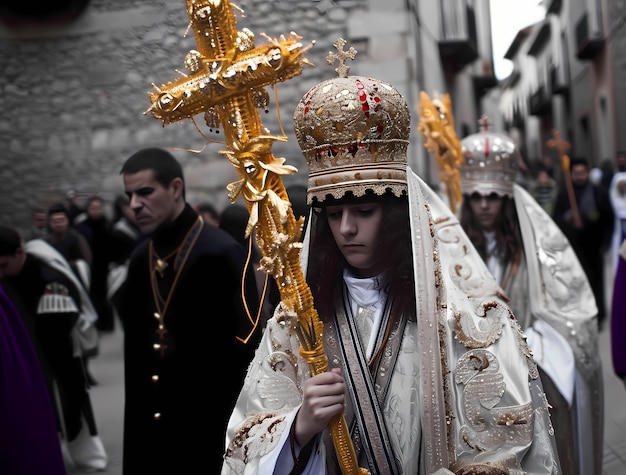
[561,147]
[229,74]
[437,128]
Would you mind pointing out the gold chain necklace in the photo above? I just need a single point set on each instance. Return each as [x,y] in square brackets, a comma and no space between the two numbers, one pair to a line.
[158,265]
[161,262]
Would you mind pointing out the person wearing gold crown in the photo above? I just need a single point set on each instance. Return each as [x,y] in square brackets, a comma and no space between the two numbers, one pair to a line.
[549,293]
[426,362]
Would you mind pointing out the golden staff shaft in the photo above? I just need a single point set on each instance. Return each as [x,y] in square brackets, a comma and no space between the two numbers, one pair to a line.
[567,177]
[294,291]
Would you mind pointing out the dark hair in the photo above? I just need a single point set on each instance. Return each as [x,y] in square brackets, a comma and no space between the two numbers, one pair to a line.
[233,220]
[206,207]
[93,198]
[58,208]
[163,164]
[325,268]
[10,241]
[508,237]
[579,161]
[118,204]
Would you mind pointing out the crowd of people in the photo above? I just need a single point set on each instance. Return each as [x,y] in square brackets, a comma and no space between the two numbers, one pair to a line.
[453,342]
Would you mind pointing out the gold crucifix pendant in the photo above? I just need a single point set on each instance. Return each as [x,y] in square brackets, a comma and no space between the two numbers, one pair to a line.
[160,266]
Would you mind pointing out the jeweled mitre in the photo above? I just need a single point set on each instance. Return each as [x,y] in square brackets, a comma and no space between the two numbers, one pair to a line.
[354,133]
[490,163]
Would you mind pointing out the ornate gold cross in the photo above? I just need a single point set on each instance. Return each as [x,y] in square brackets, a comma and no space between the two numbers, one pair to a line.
[227,81]
[341,55]
[558,144]
[561,146]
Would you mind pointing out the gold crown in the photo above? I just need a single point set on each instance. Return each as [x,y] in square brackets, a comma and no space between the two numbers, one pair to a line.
[353,132]
[490,164]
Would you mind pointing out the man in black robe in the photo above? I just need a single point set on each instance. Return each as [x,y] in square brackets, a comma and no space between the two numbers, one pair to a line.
[190,330]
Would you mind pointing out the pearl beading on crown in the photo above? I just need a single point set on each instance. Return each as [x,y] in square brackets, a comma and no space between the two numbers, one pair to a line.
[490,164]
[354,133]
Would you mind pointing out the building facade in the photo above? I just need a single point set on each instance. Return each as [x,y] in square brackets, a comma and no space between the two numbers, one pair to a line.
[74,87]
[569,75]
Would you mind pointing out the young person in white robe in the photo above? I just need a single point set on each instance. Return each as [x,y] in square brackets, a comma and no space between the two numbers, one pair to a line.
[427,364]
[549,293]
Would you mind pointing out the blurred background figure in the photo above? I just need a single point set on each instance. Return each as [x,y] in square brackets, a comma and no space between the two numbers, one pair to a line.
[617,195]
[612,167]
[96,230]
[209,213]
[75,211]
[75,248]
[39,227]
[545,189]
[234,219]
[297,196]
[125,236]
[590,230]
[70,243]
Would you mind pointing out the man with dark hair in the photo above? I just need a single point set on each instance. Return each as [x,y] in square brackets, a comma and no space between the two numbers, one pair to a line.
[187,319]
[69,242]
[96,229]
[39,227]
[54,305]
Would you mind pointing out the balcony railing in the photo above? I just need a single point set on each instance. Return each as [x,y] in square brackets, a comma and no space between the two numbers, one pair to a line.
[553,6]
[539,102]
[558,83]
[589,36]
[458,41]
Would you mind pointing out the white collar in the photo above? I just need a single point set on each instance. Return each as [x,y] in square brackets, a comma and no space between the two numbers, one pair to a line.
[366,292]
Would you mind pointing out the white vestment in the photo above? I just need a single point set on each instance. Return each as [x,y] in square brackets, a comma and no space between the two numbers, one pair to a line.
[554,303]
[463,392]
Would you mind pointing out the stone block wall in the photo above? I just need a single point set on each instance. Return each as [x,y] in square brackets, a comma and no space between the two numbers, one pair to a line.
[73,97]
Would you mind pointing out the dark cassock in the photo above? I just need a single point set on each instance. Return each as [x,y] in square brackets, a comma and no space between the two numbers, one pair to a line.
[188,341]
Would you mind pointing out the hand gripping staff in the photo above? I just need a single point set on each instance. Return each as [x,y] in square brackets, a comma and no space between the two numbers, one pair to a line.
[227,81]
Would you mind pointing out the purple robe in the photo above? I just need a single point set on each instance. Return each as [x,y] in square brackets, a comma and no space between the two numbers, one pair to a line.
[618,319]
[29,441]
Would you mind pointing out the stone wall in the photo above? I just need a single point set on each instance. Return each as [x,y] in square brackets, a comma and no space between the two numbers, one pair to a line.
[73,97]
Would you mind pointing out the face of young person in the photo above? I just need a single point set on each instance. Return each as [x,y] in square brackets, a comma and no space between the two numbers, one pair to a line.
[94,210]
[59,223]
[580,174]
[152,203]
[39,220]
[355,228]
[486,209]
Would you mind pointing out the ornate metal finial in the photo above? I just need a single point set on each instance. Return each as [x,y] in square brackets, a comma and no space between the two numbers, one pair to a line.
[341,55]
[562,146]
[484,123]
[558,144]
